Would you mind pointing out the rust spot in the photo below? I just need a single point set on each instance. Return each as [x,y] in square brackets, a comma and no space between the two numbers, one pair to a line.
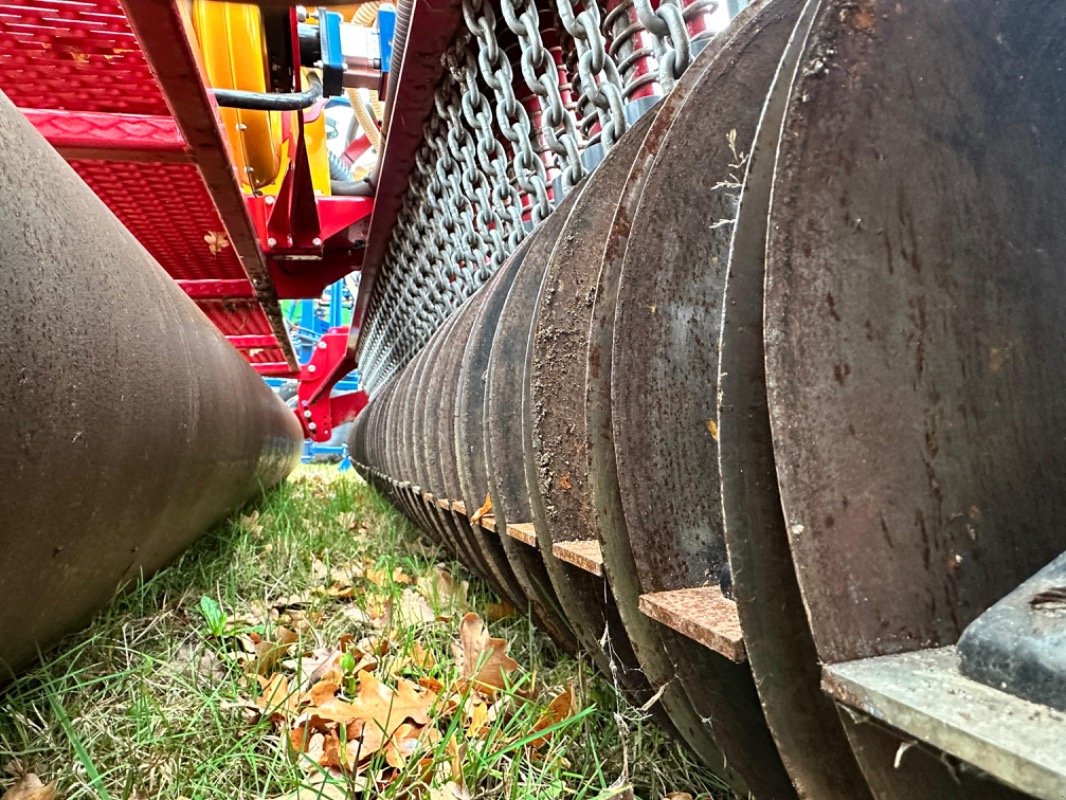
[860,16]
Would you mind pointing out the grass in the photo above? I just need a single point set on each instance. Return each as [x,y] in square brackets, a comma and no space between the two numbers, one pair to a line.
[157,698]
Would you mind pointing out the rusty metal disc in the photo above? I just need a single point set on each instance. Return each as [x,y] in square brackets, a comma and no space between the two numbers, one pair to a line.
[914,324]
[469,422]
[503,414]
[803,720]
[449,364]
[425,421]
[555,447]
[665,363]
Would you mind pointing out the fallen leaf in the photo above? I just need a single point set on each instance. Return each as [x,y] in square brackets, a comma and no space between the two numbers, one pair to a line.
[276,700]
[403,744]
[413,610]
[565,483]
[378,707]
[442,589]
[560,708]
[422,658]
[217,241]
[267,654]
[30,787]
[494,612]
[481,658]
[380,577]
[712,428]
[486,508]
[348,520]
[677,796]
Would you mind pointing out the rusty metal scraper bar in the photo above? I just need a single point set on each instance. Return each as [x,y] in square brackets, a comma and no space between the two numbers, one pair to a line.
[127,422]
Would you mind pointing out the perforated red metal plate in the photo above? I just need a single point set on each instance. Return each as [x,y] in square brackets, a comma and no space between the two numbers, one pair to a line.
[79,73]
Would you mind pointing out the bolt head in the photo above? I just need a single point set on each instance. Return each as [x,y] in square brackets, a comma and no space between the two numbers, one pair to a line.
[269,199]
[272,242]
[312,368]
[321,345]
[316,242]
[307,414]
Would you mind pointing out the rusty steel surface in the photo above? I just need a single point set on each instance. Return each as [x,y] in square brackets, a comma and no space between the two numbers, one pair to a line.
[504,440]
[666,330]
[467,430]
[554,444]
[129,424]
[802,719]
[790,359]
[911,398]
[913,363]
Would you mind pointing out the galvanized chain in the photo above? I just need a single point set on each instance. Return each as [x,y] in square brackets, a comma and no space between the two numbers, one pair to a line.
[482,149]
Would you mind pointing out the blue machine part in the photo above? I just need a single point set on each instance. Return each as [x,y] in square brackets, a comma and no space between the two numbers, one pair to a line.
[386,31]
[329,27]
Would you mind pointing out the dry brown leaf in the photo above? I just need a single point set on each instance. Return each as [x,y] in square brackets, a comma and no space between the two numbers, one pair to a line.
[443,589]
[413,610]
[677,796]
[268,654]
[348,520]
[217,241]
[485,510]
[478,718]
[276,700]
[380,577]
[560,708]
[482,659]
[30,787]
[421,657]
[565,483]
[494,612]
[377,705]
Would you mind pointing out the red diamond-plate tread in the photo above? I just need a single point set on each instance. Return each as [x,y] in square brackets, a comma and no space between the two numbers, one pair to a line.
[168,209]
[235,317]
[79,72]
[74,55]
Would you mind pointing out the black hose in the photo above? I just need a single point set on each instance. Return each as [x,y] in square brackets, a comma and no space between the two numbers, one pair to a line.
[268,101]
[352,188]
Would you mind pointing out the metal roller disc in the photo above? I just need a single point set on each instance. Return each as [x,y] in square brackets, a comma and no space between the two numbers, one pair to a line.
[666,336]
[406,437]
[471,444]
[645,634]
[503,413]
[780,650]
[914,325]
[448,362]
[468,422]
[556,460]
[425,412]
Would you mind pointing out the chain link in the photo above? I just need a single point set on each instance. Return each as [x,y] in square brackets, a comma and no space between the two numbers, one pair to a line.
[481,177]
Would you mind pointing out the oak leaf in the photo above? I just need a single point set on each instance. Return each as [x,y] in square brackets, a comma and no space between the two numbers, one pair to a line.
[485,510]
[30,787]
[560,708]
[482,659]
[378,706]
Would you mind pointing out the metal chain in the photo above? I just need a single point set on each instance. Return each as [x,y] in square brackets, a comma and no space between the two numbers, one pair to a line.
[484,148]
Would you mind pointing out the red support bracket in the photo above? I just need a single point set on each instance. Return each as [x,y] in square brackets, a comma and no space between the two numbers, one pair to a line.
[319,413]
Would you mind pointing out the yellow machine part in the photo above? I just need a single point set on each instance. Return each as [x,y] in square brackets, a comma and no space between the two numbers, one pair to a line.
[233,49]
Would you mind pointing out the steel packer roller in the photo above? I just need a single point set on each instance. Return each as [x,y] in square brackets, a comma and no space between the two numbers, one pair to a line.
[766,415]
[128,423]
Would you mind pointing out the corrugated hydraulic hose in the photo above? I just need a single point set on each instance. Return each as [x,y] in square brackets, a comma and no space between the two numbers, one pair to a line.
[128,424]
